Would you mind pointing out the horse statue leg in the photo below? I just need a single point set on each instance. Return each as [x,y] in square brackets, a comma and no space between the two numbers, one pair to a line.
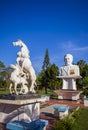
[15,88]
[10,88]
[32,87]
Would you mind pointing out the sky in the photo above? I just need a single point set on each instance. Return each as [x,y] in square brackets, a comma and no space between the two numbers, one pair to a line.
[59,25]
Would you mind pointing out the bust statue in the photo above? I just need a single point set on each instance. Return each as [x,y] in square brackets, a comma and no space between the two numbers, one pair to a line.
[69,73]
[69,69]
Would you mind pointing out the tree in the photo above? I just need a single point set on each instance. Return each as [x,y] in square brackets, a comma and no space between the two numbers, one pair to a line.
[2,66]
[82,66]
[4,76]
[85,80]
[39,80]
[54,82]
[46,62]
[49,80]
[2,81]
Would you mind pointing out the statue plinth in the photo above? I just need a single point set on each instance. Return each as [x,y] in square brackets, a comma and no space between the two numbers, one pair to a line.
[69,89]
[19,97]
[65,94]
[20,108]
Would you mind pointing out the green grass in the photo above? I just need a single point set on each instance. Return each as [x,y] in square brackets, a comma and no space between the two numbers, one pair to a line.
[49,92]
[3,91]
[82,121]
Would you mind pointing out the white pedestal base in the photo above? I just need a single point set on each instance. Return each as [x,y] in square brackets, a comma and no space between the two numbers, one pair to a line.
[69,84]
[68,94]
[27,110]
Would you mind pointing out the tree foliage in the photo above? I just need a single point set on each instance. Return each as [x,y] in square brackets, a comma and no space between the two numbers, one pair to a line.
[4,80]
[82,65]
[2,64]
[65,124]
[47,79]
[84,73]
[46,62]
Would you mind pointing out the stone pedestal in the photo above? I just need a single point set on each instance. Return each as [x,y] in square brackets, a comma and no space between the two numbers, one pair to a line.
[69,90]
[68,94]
[26,110]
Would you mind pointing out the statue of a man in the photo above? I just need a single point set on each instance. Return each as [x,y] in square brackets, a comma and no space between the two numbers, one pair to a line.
[69,69]
[69,73]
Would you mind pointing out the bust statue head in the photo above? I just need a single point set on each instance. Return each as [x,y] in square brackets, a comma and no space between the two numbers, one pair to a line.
[68,58]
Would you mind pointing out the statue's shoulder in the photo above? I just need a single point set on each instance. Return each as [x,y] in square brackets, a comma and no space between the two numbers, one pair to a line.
[62,67]
[76,66]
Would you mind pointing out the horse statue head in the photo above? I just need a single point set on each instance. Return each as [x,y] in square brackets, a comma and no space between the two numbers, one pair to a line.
[24,52]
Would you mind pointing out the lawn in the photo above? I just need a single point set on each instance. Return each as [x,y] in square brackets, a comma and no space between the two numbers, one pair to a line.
[50,93]
[82,121]
[3,91]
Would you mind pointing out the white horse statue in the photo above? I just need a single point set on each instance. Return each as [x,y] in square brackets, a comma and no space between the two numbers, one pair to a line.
[25,63]
[18,77]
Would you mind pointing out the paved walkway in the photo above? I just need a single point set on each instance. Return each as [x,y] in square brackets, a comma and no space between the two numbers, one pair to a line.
[48,111]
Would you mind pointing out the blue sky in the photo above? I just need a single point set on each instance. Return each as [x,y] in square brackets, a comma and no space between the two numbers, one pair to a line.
[59,25]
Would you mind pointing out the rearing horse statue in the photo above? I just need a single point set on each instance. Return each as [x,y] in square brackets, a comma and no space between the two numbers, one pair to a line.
[23,59]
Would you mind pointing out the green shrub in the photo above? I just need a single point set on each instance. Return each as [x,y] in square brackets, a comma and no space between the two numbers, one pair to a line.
[65,124]
[76,113]
[59,125]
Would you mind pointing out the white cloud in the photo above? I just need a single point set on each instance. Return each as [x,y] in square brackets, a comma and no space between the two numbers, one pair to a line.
[81,48]
[70,46]
[67,45]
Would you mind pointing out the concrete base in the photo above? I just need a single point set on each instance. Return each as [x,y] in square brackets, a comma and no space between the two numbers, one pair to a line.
[61,111]
[27,110]
[68,94]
